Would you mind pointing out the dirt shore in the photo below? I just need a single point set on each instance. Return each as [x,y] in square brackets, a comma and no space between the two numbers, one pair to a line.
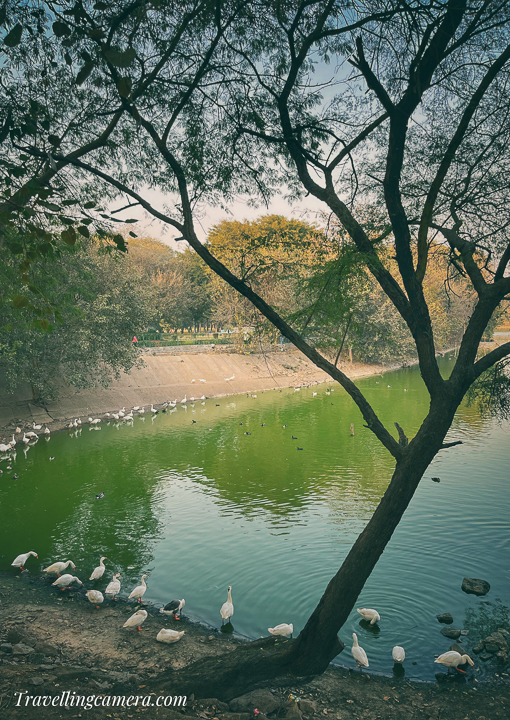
[72,646]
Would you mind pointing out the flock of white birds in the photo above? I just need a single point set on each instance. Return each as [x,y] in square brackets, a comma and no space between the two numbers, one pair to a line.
[450,659]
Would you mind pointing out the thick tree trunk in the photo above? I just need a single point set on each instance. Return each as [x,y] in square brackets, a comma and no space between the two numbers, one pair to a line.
[261,662]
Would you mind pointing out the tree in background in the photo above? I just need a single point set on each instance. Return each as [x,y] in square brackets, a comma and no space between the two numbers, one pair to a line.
[272,255]
[78,327]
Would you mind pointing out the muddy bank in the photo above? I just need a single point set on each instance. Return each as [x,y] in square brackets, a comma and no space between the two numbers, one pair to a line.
[168,376]
[71,646]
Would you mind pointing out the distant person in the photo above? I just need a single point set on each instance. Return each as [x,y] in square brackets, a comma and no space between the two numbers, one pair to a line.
[135,341]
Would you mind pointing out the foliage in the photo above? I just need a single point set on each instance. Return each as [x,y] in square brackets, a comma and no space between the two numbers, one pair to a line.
[491,391]
[98,305]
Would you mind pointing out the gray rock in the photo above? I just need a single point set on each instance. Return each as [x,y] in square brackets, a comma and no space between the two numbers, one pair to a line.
[446,618]
[261,699]
[21,649]
[475,586]
[502,656]
[36,680]
[503,632]
[451,633]
[478,648]
[497,638]
[491,648]
[6,647]
[292,711]
[46,649]
[485,656]
[37,658]
[307,707]
[14,637]
[214,703]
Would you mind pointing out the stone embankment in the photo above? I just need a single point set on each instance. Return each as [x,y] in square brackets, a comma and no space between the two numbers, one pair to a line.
[171,374]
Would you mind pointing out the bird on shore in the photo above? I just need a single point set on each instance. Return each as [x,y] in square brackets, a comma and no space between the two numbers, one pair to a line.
[227,609]
[452,659]
[398,654]
[113,588]
[358,653]
[36,427]
[284,629]
[64,582]
[370,615]
[47,431]
[95,597]
[98,572]
[21,559]
[58,567]
[173,607]
[136,619]
[139,591]
[169,636]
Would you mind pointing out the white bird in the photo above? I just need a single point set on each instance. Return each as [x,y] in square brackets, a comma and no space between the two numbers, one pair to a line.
[153,409]
[113,588]
[358,653]
[5,448]
[202,380]
[169,636]
[21,559]
[193,380]
[65,581]
[139,591]
[32,435]
[283,629]
[184,400]
[227,609]
[25,439]
[98,572]
[95,421]
[173,607]
[141,411]
[398,654]
[47,430]
[95,597]
[57,567]
[137,407]
[453,659]
[370,615]
[36,427]
[136,619]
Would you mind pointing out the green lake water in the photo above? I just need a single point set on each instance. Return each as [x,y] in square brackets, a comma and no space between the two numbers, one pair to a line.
[203,505]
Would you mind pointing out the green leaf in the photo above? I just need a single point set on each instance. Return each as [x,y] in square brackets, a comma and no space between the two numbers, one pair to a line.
[50,206]
[14,37]
[84,73]
[118,58]
[69,236]
[83,230]
[96,34]
[16,248]
[134,235]
[90,204]
[60,29]
[18,301]
[54,140]
[120,242]
[130,221]
[124,87]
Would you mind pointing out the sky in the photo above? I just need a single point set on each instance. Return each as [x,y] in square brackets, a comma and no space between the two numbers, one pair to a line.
[306,210]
